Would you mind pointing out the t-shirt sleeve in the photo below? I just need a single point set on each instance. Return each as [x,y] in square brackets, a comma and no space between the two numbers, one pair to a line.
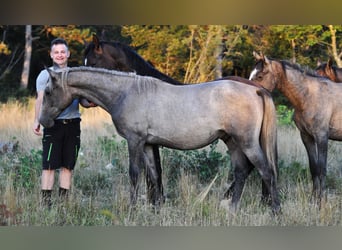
[42,80]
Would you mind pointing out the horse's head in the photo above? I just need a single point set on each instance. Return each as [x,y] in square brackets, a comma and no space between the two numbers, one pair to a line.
[102,54]
[55,99]
[327,70]
[94,55]
[264,72]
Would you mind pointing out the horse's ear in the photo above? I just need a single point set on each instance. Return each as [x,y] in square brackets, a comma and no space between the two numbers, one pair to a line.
[319,62]
[96,42]
[330,62]
[52,74]
[267,61]
[258,56]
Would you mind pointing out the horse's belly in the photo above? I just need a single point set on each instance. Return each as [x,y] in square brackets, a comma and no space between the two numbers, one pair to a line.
[183,141]
[335,128]
[335,134]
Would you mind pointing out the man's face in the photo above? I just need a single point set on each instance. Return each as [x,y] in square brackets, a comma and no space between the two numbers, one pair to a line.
[60,54]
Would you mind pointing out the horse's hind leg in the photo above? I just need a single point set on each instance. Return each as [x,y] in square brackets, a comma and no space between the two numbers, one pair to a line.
[265,198]
[258,159]
[242,168]
[238,161]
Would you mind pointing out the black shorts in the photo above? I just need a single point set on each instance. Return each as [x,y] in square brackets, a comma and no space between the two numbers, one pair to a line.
[61,144]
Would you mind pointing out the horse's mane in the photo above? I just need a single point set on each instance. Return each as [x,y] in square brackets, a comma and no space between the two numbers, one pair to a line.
[102,70]
[303,69]
[323,65]
[129,52]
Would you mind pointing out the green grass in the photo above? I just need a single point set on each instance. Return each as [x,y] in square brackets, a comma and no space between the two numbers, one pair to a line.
[100,188]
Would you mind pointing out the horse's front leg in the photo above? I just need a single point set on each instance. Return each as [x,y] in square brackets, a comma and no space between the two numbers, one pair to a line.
[153,174]
[317,154]
[322,145]
[157,161]
[135,159]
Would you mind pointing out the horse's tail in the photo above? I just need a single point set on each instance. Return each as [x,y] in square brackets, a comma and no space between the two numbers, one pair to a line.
[268,137]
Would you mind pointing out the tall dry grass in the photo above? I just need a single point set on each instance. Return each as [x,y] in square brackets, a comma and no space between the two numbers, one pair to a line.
[100,192]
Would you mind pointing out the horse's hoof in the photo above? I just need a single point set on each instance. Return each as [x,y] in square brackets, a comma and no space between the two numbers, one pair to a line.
[276,210]
[228,206]
[224,204]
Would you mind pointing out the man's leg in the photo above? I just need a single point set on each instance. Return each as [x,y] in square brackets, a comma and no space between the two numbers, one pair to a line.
[47,181]
[65,175]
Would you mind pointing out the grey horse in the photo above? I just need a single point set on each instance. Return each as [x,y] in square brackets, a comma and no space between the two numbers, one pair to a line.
[147,111]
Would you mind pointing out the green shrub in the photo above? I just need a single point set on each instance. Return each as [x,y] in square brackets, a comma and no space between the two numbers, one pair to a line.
[284,115]
[202,163]
[25,167]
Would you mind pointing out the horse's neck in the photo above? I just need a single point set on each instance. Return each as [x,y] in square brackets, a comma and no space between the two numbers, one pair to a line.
[293,86]
[102,89]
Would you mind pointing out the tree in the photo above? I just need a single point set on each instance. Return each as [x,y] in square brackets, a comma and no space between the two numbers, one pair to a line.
[336,55]
[10,49]
[193,53]
[27,57]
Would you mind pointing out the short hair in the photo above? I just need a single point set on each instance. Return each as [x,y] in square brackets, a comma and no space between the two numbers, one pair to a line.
[58,41]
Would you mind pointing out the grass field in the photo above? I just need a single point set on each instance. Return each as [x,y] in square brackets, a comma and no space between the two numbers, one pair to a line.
[194,181]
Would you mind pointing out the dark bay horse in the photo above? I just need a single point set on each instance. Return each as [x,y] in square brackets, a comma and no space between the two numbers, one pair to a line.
[329,70]
[147,111]
[317,102]
[120,57]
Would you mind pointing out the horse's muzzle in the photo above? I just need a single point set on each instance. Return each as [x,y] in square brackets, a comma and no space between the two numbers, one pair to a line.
[47,123]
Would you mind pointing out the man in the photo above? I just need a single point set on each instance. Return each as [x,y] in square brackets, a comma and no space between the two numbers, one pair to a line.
[61,143]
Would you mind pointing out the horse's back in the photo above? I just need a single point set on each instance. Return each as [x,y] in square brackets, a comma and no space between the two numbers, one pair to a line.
[191,116]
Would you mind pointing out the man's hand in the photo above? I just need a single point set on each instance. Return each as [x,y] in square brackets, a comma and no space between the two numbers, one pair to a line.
[87,104]
[36,128]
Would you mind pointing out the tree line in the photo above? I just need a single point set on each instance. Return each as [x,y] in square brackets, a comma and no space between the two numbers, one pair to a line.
[188,53]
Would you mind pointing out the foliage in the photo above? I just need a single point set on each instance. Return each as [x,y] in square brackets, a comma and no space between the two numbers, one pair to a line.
[188,53]
[94,176]
[24,168]
[100,194]
[285,115]
[203,164]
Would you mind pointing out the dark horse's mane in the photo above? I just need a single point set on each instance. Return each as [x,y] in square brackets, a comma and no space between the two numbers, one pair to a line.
[143,67]
[135,61]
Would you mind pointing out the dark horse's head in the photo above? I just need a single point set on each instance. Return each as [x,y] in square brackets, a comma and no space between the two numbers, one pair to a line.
[101,54]
[55,99]
[118,56]
[328,70]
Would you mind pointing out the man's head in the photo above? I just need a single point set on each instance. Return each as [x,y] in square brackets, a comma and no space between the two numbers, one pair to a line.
[59,52]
